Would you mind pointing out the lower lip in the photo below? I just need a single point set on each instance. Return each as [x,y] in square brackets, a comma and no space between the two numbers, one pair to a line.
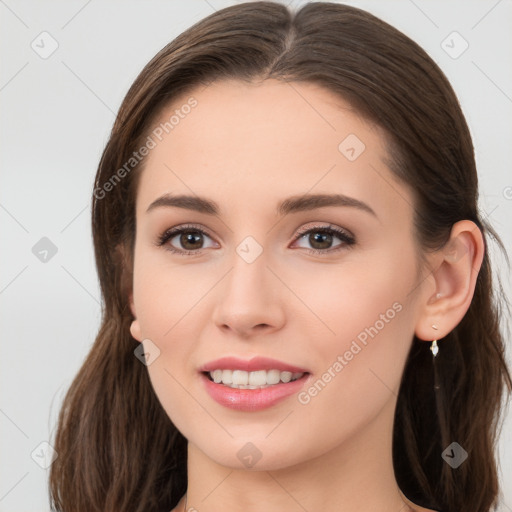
[252,399]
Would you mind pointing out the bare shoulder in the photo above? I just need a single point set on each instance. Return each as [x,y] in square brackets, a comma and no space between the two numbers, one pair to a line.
[414,507]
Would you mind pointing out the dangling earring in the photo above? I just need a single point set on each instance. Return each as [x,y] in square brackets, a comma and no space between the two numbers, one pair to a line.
[434,348]
[438,392]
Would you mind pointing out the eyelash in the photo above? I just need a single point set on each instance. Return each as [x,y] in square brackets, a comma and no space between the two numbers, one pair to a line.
[347,239]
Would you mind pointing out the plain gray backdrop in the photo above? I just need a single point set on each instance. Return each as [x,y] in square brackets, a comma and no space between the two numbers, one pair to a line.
[64,69]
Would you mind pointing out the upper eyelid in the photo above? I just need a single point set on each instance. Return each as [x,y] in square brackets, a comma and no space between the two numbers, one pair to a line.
[326,227]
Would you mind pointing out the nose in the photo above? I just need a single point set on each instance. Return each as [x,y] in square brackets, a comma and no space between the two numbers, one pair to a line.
[250,299]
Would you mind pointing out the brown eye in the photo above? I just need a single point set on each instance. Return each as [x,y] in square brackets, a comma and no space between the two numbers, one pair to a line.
[185,240]
[322,238]
[190,240]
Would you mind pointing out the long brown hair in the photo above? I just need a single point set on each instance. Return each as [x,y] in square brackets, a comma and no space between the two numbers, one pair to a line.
[117,448]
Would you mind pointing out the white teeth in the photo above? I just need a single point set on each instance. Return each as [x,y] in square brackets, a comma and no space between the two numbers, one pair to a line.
[252,380]
[240,378]
[273,376]
[286,376]
[258,378]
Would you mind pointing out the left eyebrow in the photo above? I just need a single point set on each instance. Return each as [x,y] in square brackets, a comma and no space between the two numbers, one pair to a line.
[292,204]
[311,202]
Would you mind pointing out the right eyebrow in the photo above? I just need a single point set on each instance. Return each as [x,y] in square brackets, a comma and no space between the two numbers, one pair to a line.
[196,203]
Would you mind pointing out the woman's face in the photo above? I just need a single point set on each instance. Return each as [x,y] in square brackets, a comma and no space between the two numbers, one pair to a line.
[265,277]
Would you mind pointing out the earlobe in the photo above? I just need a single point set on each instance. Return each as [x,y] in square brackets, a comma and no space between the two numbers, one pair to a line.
[135,330]
[456,268]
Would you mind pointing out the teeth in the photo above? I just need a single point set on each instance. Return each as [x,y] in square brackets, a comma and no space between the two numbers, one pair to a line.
[252,380]
[258,378]
[240,378]
[273,376]
[286,376]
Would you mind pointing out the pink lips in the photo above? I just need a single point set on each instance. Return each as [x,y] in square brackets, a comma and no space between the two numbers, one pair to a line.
[251,399]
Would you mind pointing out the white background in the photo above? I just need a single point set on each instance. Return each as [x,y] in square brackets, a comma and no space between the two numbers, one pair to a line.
[56,114]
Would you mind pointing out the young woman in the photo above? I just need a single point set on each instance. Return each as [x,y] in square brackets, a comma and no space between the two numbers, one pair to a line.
[298,305]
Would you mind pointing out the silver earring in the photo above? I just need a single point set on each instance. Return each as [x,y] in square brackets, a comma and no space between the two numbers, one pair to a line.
[434,347]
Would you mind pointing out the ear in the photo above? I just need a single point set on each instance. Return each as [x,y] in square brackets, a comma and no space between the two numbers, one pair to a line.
[135,329]
[451,284]
[132,304]
[126,264]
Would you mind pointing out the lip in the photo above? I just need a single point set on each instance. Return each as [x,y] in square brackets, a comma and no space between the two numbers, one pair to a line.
[250,365]
[250,400]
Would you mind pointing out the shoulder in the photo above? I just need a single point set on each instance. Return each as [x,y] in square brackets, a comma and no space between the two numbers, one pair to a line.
[413,506]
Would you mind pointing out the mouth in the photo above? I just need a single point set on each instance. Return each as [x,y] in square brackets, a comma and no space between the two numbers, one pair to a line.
[252,384]
[257,394]
[259,379]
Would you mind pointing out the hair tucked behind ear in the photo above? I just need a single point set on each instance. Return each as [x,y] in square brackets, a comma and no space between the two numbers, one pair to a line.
[118,450]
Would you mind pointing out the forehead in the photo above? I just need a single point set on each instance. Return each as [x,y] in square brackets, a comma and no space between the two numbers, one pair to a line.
[293,120]
[266,140]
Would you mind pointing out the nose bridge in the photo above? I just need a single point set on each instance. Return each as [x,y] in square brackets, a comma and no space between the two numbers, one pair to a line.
[248,279]
[248,296]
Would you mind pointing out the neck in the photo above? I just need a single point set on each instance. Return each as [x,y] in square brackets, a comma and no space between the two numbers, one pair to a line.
[355,476]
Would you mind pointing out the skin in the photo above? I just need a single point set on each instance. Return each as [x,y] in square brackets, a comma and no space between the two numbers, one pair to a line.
[248,147]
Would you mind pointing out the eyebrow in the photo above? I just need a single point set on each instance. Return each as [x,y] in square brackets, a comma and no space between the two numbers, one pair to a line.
[293,204]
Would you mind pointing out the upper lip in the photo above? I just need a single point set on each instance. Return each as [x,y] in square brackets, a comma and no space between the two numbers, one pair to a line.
[250,365]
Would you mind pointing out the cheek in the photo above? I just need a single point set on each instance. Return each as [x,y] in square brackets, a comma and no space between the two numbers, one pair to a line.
[166,295]
[360,333]
[168,299]
[343,301]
